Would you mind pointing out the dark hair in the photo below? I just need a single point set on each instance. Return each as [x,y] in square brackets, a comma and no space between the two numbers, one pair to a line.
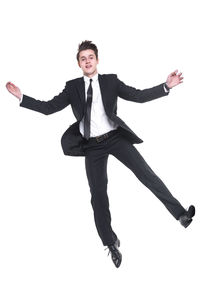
[87,45]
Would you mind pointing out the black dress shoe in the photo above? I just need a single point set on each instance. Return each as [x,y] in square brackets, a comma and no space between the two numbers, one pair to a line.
[186,218]
[115,253]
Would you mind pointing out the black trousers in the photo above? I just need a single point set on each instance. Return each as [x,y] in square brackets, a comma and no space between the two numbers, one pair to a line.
[96,168]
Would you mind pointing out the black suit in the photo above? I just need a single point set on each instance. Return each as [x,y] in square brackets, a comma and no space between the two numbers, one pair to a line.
[74,94]
[119,144]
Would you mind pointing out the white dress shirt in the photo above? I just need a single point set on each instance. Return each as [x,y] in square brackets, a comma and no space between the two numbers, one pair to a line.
[99,122]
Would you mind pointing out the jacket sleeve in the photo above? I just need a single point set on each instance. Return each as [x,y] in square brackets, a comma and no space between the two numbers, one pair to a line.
[132,94]
[47,107]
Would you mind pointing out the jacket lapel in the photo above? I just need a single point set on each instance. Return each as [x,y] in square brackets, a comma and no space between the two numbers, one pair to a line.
[102,85]
[107,98]
[81,90]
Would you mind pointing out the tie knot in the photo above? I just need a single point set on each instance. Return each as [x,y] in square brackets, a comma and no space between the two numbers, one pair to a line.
[90,80]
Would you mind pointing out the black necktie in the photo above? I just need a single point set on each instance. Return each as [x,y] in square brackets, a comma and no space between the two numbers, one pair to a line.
[88,112]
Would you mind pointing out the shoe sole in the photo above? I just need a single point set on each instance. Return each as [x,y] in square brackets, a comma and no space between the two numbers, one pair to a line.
[187,224]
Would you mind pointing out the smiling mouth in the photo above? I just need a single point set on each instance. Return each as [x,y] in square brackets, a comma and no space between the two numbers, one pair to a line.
[87,67]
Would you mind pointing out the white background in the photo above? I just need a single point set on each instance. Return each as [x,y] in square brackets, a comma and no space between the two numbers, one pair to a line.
[49,247]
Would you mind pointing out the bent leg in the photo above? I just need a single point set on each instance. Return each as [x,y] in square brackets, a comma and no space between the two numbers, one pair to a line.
[130,157]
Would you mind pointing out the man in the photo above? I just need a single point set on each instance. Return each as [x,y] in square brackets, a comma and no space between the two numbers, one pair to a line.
[99,132]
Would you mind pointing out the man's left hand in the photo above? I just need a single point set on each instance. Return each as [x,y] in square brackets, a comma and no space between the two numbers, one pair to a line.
[174,79]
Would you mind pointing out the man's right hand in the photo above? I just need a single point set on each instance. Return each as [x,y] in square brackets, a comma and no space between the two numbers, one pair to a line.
[13,89]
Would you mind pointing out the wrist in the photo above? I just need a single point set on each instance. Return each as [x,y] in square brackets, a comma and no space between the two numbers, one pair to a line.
[20,99]
[167,86]
[20,96]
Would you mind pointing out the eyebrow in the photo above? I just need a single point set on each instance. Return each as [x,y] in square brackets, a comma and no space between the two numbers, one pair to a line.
[85,56]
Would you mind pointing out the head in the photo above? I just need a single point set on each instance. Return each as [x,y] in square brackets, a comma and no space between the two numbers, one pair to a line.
[87,58]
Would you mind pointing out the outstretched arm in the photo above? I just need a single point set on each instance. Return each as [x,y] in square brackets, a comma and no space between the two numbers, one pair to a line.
[132,94]
[46,107]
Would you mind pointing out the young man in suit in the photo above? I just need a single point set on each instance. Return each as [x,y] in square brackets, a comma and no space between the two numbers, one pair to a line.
[99,132]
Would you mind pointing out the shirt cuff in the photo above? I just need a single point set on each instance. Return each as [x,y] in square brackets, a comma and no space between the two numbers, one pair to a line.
[20,100]
[165,88]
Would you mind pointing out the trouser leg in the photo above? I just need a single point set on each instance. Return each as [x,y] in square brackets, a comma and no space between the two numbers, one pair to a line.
[96,170]
[124,151]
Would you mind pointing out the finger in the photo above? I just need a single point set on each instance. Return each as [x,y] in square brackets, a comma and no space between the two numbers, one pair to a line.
[174,73]
[12,84]
[8,83]
[8,86]
[10,89]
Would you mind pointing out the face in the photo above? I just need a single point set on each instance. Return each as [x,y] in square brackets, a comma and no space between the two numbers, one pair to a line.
[88,62]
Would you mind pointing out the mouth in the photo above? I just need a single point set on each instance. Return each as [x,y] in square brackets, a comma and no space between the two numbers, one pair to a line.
[88,67]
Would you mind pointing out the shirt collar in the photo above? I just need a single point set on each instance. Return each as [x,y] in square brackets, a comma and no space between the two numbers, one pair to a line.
[87,79]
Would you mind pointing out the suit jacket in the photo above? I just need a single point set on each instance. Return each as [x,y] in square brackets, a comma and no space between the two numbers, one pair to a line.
[74,94]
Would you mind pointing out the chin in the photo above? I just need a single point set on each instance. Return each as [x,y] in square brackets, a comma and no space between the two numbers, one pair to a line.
[88,73]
